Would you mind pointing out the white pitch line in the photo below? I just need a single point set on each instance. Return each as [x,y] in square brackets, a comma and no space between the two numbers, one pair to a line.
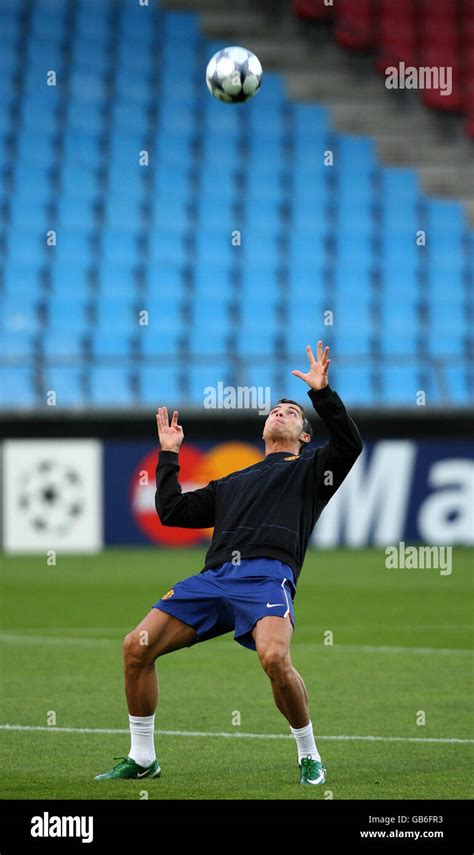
[386,648]
[318,646]
[237,735]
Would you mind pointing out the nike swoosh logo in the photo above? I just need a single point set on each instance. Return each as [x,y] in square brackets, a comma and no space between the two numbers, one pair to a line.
[272,605]
[142,774]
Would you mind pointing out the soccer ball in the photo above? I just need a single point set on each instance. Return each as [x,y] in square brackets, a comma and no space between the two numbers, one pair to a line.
[233,74]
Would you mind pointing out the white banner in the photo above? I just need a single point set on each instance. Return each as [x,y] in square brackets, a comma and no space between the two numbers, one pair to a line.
[52,496]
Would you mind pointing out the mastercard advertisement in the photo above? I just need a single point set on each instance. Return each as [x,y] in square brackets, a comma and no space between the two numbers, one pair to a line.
[129,487]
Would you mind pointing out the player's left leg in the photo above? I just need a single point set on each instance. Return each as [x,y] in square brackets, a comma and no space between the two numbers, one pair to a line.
[272,636]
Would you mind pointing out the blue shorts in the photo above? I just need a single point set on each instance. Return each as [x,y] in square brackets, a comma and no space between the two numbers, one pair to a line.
[232,597]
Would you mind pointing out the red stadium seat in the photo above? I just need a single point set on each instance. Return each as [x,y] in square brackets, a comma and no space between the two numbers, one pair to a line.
[354,24]
[440,48]
[436,34]
[396,34]
[311,10]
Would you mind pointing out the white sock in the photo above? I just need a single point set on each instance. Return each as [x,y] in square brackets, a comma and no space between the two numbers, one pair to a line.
[305,742]
[143,746]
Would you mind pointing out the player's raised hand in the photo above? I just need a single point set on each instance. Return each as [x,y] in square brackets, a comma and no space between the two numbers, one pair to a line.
[170,435]
[317,376]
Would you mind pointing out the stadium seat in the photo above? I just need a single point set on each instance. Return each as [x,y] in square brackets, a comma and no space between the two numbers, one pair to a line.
[401,384]
[67,383]
[17,388]
[110,386]
[160,385]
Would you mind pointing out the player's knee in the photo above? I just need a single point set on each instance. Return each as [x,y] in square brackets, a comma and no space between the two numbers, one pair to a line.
[134,650]
[275,659]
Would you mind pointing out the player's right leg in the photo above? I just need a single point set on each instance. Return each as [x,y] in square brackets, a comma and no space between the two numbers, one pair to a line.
[157,634]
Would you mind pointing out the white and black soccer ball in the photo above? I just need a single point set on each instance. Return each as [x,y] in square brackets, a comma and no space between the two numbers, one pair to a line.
[234,74]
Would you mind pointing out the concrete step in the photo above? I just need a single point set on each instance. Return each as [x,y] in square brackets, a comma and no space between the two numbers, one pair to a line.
[448,180]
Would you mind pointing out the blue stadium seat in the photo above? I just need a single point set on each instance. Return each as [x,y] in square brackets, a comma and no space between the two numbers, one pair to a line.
[262,375]
[163,311]
[160,385]
[211,280]
[76,213]
[256,281]
[347,345]
[399,183]
[108,344]
[124,216]
[349,316]
[304,280]
[309,250]
[353,282]
[168,246]
[30,215]
[354,384]
[20,315]
[73,246]
[68,310]
[85,117]
[155,344]
[444,217]
[67,382]
[211,312]
[16,346]
[399,343]
[65,345]
[254,342]
[116,279]
[66,276]
[401,383]
[200,377]
[17,389]
[309,120]
[354,247]
[110,386]
[399,282]
[214,248]
[164,278]
[120,244]
[173,152]
[201,341]
[79,181]
[399,323]
[180,27]
[120,315]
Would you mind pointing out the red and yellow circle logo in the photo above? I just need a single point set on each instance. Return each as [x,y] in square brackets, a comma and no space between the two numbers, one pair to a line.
[197,468]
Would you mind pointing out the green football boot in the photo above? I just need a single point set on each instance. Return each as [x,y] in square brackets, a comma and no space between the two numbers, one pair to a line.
[312,771]
[127,768]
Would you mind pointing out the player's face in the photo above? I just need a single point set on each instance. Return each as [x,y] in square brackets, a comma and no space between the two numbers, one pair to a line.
[285,421]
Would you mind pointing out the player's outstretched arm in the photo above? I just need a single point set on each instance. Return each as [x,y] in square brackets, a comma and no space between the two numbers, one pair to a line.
[194,509]
[335,459]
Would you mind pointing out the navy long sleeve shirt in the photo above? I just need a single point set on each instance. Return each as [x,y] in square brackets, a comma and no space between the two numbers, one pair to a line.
[268,509]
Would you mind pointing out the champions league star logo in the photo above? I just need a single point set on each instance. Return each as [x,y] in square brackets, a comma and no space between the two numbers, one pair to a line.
[51,497]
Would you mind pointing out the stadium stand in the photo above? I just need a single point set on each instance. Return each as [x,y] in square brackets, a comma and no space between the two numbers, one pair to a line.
[147,227]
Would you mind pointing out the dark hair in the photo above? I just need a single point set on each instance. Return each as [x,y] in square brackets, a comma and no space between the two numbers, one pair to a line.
[307,426]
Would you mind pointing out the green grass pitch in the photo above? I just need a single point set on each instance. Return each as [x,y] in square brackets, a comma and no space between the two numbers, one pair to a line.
[400,646]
